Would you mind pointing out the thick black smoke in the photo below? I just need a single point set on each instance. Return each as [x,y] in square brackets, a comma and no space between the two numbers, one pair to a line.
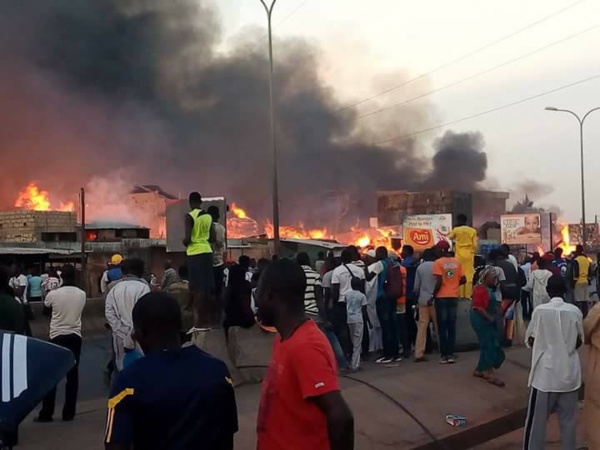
[459,162]
[90,87]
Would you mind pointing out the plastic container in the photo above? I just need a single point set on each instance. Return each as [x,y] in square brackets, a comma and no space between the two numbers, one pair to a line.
[456,420]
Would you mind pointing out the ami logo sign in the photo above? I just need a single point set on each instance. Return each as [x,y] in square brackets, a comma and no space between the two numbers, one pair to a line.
[421,237]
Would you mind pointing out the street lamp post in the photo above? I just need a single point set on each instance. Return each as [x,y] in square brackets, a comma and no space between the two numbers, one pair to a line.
[275,173]
[581,121]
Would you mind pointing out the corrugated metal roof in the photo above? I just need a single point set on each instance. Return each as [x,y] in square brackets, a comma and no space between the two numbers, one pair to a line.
[141,189]
[107,225]
[33,251]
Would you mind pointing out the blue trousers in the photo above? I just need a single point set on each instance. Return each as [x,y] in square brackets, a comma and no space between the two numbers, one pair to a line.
[445,310]
[337,350]
[386,312]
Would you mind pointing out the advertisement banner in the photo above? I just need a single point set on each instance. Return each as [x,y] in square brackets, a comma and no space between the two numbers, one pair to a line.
[521,229]
[426,230]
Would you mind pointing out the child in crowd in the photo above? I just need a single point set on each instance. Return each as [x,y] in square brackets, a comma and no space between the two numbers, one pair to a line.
[356,306]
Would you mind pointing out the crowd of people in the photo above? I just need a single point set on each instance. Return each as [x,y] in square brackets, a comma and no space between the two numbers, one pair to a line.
[330,315]
[64,302]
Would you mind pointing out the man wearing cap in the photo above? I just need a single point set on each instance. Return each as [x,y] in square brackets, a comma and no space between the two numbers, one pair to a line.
[112,274]
[449,276]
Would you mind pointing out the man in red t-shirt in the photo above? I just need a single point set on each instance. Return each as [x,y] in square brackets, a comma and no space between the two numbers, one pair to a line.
[301,406]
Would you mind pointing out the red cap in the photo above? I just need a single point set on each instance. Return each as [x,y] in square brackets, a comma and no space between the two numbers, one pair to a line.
[548,256]
[443,245]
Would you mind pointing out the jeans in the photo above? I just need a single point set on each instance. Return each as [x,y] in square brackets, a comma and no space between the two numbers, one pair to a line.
[73,343]
[386,311]
[445,310]
[342,362]
[339,320]
[403,339]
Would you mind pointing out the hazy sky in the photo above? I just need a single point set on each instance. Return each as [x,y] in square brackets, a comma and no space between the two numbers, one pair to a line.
[366,45]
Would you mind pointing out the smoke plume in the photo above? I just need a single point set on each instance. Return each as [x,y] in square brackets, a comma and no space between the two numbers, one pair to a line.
[91,87]
[459,162]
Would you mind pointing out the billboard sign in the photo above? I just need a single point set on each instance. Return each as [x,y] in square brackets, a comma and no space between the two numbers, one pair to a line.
[521,229]
[176,213]
[425,230]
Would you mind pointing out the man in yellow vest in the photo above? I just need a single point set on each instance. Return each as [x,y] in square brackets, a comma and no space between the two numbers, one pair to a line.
[581,277]
[199,233]
[465,248]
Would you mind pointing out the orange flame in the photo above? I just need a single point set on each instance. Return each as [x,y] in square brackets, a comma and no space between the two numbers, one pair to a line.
[242,225]
[566,241]
[297,232]
[238,212]
[36,199]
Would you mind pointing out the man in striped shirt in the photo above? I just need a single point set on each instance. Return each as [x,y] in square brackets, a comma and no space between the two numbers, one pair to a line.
[313,296]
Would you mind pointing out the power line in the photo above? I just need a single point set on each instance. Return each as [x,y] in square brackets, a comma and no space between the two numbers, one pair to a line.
[294,11]
[478,74]
[465,56]
[489,111]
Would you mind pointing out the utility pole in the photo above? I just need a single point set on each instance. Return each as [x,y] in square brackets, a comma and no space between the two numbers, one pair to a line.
[275,151]
[581,121]
[83,238]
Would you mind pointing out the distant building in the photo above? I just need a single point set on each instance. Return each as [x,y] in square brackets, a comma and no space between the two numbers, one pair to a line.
[114,232]
[150,203]
[480,207]
[35,227]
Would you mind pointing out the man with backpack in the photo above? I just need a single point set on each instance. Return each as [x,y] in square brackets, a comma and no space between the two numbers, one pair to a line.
[389,289]
[449,278]
[112,273]
[341,284]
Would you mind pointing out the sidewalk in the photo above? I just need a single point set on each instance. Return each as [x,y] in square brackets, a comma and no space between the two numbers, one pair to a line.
[514,440]
[429,391]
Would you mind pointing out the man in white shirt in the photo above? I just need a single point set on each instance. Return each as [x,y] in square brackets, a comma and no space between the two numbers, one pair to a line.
[66,303]
[555,333]
[372,288]
[120,300]
[340,285]
[19,283]
[511,258]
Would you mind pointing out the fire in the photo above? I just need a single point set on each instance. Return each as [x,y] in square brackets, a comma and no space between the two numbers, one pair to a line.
[242,225]
[370,237]
[565,244]
[297,232]
[34,198]
[238,212]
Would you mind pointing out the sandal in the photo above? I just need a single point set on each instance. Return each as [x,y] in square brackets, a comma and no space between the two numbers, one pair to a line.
[495,381]
[477,374]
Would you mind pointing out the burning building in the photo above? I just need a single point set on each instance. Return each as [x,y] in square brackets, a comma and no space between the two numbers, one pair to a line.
[150,202]
[479,206]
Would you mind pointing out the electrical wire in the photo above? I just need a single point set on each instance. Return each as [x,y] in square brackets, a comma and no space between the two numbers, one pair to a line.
[427,431]
[294,11]
[489,111]
[465,56]
[483,72]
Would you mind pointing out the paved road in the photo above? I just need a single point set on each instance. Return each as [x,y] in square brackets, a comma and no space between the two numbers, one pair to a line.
[94,356]
[380,424]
